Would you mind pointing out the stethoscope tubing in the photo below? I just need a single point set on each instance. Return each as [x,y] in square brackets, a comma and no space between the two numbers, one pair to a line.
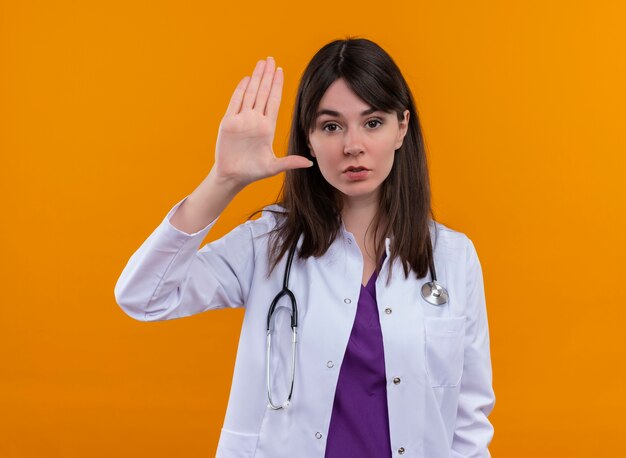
[294,332]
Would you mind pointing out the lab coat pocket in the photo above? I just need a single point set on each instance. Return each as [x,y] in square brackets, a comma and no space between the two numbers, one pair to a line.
[444,348]
[233,444]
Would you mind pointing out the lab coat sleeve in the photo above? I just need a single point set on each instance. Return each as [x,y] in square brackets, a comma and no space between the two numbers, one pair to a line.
[473,431]
[168,277]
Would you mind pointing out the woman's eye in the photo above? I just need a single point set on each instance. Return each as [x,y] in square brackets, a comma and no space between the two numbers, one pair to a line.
[329,125]
[369,123]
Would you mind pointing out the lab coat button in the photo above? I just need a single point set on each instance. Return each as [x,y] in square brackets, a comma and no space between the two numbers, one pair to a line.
[388,311]
[318,435]
[347,300]
[396,380]
[401,451]
[330,364]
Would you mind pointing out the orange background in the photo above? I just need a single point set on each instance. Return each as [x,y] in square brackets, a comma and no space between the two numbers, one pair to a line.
[108,116]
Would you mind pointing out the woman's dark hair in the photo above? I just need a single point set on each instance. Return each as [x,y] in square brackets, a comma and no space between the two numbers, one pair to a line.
[313,206]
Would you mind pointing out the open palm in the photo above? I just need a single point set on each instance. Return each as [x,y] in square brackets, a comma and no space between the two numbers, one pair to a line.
[244,151]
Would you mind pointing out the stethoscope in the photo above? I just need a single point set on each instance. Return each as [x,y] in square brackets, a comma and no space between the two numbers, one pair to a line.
[432,292]
[294,328]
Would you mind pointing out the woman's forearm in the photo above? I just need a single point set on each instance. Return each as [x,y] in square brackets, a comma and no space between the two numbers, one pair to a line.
[205,203]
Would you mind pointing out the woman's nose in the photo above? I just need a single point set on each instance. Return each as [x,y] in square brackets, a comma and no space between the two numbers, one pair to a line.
[353,143]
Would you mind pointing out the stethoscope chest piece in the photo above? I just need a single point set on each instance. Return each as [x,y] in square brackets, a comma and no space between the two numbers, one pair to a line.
[433,293]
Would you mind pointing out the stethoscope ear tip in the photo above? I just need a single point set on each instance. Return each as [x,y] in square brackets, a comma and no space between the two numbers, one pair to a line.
[284,405]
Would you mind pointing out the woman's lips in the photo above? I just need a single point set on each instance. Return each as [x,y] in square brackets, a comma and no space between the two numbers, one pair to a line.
[356,173]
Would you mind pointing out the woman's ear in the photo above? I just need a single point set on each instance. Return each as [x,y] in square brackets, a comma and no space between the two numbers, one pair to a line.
[403,127]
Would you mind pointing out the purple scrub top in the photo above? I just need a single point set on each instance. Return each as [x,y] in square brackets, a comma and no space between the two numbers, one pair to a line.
[359,425]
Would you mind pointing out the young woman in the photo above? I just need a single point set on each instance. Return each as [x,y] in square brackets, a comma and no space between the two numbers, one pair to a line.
[353,364]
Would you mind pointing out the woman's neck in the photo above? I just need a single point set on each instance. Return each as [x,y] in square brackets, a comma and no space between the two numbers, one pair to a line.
[357,220]
[358,215]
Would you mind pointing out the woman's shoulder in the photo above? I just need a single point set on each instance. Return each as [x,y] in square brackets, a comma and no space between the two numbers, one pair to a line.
[271,216]
[448,240]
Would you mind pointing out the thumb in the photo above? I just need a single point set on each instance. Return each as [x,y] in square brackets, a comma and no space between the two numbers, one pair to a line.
[293,161]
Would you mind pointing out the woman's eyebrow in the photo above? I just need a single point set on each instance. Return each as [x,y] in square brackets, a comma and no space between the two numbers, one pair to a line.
[336,113]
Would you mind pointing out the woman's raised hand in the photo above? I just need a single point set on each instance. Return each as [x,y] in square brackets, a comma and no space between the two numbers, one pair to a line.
[244,150]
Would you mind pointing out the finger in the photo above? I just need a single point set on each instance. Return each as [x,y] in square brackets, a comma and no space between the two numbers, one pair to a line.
[253,86]
[273,103]
[235,100]
[265,86]
[292,162]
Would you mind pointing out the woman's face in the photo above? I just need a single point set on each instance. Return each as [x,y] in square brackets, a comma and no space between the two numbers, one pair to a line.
[348,134]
